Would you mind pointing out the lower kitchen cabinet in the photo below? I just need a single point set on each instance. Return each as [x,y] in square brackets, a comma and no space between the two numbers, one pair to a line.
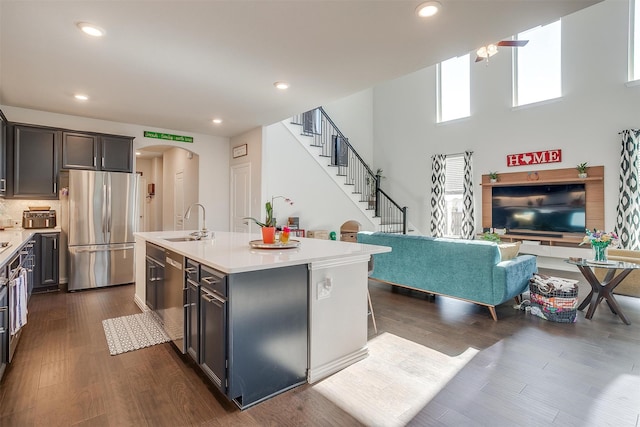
[213,326]
[192,310]
[47,261]
[154,280]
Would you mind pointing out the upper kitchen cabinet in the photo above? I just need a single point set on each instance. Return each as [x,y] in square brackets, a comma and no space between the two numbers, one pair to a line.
[117,153]
[3,157]
[35,166]
[97,152]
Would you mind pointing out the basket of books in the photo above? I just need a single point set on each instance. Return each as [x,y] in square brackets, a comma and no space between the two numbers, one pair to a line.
[554,298]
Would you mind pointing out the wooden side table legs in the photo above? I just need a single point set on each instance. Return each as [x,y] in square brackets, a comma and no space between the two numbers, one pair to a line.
[604,290]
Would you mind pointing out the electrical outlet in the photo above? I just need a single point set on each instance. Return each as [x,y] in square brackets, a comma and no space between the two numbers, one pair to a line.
[16,223]
[324,288]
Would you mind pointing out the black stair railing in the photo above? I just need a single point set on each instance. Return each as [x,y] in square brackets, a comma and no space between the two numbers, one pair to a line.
[335,146]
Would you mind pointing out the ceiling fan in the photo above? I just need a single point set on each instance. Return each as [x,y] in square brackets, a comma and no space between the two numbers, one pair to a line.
[485,52]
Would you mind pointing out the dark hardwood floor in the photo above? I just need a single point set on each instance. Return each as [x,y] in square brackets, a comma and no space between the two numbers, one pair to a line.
[529,371]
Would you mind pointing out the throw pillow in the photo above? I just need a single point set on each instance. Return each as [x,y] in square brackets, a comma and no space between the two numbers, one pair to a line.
[509,250]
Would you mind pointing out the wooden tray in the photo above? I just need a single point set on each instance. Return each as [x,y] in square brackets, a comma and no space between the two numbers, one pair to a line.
[259,244]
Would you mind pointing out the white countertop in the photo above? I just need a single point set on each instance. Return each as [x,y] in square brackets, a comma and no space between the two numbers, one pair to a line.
[16,238]
[231,253]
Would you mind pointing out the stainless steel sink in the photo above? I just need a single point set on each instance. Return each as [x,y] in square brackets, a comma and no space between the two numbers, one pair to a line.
[180,239]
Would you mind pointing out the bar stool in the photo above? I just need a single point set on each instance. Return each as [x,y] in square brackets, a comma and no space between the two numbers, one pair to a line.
[373,317]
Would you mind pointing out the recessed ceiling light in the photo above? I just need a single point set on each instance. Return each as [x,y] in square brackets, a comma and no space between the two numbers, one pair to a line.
[90,29]
[281,85]
[138,153]
[428,8]
[81,97]
[217,121]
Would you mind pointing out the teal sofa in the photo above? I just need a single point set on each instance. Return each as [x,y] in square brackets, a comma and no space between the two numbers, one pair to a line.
[469,270]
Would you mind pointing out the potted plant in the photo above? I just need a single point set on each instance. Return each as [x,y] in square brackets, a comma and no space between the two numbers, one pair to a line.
[582,170]
[268,227]
[493,176]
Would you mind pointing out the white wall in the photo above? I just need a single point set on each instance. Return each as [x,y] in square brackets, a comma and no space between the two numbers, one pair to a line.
[214,150]
[253,139]
[584,123]
[289,170]
[178,160]
[353,115]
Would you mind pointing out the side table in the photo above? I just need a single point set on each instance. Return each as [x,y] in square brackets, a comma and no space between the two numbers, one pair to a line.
[603,290]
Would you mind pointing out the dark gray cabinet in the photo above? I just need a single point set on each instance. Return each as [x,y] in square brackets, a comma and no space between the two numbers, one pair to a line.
[213,326]
[3,154]
[154,280]
[35,162]
[117,153]
[97,152]
[47,273]
[192,310]
[79,151]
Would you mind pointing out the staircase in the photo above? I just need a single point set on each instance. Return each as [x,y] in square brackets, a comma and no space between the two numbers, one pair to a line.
[360,182]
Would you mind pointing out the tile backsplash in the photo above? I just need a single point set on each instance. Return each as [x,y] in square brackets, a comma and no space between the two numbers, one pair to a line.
[14,208]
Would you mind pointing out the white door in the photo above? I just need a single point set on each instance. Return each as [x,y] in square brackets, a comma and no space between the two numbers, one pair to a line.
[143,202]
[178,201]
[240,197]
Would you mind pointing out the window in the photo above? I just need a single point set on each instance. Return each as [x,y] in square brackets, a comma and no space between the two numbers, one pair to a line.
[538,65]
[453,194]
[453,88]
[634,42]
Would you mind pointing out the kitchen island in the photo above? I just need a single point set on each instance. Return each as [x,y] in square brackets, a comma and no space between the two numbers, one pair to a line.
[267,319]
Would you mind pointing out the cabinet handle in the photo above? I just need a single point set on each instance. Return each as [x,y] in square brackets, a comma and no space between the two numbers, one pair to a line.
[190,270]
[210,280]
[103,162]
[55,187]
[3,188]
[94,161]
[213,298]
[55,244]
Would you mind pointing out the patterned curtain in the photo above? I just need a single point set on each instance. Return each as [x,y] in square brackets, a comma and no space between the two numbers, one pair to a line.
[468,218]
[628,211]
[438,213]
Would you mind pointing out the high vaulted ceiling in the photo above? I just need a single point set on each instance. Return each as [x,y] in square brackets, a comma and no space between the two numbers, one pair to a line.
[178,64]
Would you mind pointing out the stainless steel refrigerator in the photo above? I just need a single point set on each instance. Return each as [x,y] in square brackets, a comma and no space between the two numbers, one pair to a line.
[102,220]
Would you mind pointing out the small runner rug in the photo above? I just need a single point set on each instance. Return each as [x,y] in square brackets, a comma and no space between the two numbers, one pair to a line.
[396,380]
[128,333]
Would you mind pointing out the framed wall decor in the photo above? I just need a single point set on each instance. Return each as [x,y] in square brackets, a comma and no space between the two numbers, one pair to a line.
[240,150]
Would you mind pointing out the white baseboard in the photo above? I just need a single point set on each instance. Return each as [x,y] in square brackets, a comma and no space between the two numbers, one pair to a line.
[320,372]
[141,304]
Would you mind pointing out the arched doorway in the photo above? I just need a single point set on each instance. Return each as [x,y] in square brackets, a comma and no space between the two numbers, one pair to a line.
[168,184]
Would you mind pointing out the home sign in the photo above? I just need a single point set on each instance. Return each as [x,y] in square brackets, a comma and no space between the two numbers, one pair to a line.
[534,158]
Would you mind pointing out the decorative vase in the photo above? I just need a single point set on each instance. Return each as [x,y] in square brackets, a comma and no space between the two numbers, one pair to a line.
[582,175]
[493,180]
[268,235]
[599,251]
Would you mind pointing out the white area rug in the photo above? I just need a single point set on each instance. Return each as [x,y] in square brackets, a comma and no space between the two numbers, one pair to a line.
[389,387]
[128,333]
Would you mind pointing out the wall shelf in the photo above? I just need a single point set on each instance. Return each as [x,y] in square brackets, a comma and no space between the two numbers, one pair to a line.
[575,180]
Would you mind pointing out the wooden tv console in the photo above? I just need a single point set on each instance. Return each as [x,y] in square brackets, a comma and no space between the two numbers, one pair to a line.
[594,187]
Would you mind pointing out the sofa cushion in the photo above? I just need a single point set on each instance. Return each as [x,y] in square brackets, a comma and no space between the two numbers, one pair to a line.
[509,250]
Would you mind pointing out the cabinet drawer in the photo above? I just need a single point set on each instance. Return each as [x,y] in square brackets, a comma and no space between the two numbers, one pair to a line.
[213,280]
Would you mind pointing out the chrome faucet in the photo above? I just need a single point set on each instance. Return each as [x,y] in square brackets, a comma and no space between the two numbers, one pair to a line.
[203,233]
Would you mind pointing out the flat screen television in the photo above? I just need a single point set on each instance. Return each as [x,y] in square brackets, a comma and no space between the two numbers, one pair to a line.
[539,209]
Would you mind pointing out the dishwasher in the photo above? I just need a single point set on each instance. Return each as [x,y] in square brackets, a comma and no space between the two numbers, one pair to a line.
[172,308]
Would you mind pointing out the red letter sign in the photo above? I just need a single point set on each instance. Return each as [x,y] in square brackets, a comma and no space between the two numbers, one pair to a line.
[534,158]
